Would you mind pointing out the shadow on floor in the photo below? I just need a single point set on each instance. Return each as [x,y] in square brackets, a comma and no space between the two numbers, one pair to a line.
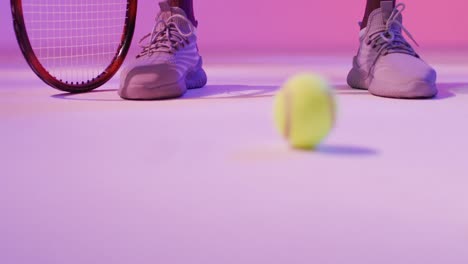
[100,95]
[346,150]
[245,91]
[208,92]
[446,90]
[231,92]
[344,89]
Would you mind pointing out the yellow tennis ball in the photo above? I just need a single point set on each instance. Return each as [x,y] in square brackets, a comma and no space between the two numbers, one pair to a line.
[304,110]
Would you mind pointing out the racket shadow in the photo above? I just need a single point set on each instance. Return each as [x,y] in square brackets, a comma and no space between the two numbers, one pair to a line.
[100,95]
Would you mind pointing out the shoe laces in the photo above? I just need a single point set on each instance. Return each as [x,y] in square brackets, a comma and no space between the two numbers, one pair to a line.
[166,36]
[391,39]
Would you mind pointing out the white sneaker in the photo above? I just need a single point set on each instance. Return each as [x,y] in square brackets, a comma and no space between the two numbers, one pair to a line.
[386,64]
[169,63]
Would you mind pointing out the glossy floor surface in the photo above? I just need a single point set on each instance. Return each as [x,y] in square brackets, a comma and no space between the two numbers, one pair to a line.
[90,178]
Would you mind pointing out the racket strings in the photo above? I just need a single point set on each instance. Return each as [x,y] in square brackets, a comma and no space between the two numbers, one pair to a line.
[75,40]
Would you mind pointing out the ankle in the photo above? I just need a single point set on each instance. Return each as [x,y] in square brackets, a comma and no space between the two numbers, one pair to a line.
[193,20]
[363,24]
[371,6]
[187,6]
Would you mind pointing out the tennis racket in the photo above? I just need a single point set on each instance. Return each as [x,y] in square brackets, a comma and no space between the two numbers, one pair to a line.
[74,45]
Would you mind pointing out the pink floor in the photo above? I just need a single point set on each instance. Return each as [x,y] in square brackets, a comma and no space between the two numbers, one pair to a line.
[90,178]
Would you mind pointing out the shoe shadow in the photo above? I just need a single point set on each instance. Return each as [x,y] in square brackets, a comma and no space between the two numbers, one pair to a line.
[246,91]
[447,90]
[344,89]
[231,92]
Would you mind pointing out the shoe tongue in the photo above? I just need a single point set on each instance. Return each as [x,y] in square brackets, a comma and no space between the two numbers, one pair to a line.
[379,17]
[168,11]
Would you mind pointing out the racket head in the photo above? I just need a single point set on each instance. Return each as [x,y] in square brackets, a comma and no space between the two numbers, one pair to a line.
[114,60]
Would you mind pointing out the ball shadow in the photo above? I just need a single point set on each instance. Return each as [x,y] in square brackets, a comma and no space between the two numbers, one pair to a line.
[346,150]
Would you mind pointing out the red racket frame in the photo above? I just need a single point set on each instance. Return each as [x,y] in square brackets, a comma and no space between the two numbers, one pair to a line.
[85,86]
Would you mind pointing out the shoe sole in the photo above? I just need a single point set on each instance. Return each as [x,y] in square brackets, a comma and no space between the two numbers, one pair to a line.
[361,80]
[194,79]
[412,90]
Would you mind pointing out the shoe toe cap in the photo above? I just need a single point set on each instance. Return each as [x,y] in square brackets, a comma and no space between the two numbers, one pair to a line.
[401,68]
[150,82]
[403,76]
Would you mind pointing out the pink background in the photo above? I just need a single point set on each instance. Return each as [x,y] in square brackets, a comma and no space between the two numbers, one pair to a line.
[307,25]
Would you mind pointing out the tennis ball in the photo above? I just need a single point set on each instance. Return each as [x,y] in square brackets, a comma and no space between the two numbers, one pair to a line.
[304,110]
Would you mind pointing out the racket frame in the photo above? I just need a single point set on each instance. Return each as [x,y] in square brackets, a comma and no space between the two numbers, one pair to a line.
[85,86]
